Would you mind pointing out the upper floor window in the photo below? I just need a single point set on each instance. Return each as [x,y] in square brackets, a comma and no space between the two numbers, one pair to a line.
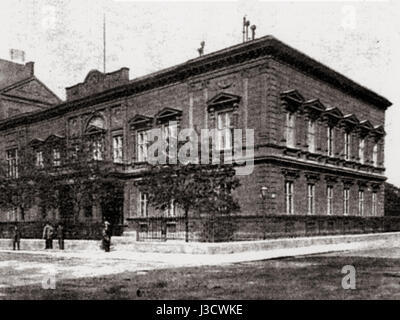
[56,157]
[170,132]
[329,197]
[290,129]
[224,130]
[361,202]
[39,159]
[143,204]
[95,130]
[347,146]
[97,150]
[289,197]
[12,163]
[170,211]
[118,148]
[375,155]
[346,201]
[330,141]
[361,151]
[311,136]
[141,145]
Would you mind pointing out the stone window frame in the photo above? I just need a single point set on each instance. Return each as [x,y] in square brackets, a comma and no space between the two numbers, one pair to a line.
[224,102]
[139,123]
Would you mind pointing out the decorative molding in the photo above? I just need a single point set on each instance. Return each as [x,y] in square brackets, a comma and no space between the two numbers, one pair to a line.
[312,177]
[167,114]
[290,174]
[223,100]
[140,121]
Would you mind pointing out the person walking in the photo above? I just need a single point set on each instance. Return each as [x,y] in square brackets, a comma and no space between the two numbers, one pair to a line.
[16,234]
[60,236]
[48,232]
[106,236]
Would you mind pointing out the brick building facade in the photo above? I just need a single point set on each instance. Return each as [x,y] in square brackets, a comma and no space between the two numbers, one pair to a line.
[319,137]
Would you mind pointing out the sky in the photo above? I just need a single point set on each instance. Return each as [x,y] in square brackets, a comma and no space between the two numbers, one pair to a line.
[360,39]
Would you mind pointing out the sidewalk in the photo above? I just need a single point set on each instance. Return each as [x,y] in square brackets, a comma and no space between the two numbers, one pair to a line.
[257,250]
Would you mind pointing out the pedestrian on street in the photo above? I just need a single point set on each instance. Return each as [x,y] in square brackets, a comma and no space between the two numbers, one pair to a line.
[48,233]
[60,236]
[106,236]
[16,234]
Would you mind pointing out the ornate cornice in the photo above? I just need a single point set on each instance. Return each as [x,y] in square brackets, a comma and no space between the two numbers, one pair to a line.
[267,46]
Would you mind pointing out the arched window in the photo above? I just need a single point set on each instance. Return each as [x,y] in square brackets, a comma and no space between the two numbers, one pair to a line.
[96,123]
[95,130]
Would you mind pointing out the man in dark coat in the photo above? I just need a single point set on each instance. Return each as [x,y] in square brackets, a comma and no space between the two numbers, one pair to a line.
[60,236]
[48,232]
[107,236]
[16,234]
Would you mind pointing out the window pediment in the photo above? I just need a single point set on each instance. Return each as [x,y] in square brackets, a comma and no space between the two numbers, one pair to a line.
[36,143]
[379,130]
[140,121]
[366,127]
[351,119]
[314,105]
[292,96]
[222,100]
[167,114]
[54,138]
[333,113]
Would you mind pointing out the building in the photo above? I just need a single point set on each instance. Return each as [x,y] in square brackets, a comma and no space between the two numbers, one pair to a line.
[319,136]
[21,91]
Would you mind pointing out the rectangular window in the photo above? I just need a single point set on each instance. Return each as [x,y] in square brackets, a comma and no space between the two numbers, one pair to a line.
[141,146]
[170,211]
[97,149]
[361,202]
[347,146]
[330,141]
[12,163]
[346,201]
[224,130]
[311,198]
[289,197]
[361,148]
[375,155]
[290,130]
[56,158]
[329,197]
[118,149]
[374,203]
[39,159]
[143,201]
[311,136]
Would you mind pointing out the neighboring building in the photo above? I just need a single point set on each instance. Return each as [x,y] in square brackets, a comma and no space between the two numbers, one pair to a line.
[319,137]
[20,90]
[392,200]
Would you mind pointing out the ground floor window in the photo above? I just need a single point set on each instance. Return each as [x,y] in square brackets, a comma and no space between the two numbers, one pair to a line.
[346,201]
[329,196]
[310,198]
[143,204]
[289,197]
[170,211]
[374,203]
[361,202]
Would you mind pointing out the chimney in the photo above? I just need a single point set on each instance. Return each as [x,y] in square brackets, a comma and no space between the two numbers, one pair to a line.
[253,31]
[31,67]
[17,56]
